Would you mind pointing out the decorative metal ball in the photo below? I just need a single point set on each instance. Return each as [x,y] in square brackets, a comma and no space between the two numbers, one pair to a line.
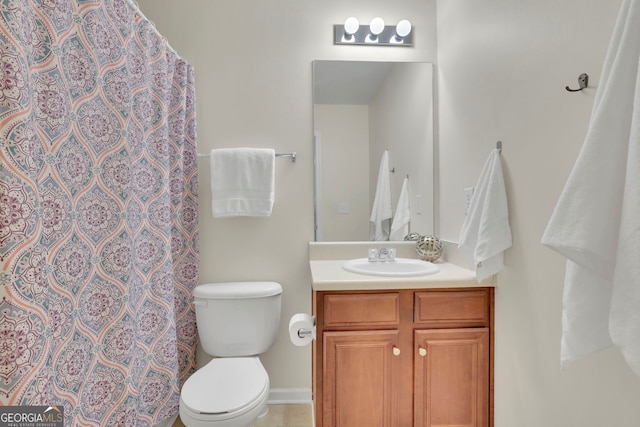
[412,237]
[429,248]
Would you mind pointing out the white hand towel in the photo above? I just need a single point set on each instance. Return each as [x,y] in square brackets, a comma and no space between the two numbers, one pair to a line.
[596,224]
[382,210]
[400,224]
[242,182]
[486,233]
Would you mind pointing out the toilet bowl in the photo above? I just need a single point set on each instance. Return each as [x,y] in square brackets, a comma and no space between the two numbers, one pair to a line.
[227,392]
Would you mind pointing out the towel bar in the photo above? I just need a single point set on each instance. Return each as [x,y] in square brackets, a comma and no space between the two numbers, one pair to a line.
[293,155]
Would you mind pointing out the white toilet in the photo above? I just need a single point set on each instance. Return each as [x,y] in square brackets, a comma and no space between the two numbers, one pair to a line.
[237,321]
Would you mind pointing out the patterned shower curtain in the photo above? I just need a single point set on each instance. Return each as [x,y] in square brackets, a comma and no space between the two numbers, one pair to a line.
[98,213]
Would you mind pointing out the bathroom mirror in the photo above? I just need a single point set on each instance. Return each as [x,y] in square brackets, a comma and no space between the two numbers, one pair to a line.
[361,109]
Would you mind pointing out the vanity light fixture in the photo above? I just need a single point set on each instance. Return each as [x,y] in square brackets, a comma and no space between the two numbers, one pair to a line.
[374,34]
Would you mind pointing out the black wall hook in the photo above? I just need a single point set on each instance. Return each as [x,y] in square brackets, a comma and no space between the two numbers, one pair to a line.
[583,81]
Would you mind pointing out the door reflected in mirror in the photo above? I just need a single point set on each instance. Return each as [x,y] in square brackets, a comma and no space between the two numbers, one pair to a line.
[361,109]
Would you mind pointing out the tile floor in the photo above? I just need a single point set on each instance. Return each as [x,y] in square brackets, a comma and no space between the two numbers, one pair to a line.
[281,416]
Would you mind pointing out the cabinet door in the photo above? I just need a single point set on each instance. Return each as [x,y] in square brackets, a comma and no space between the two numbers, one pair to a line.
[361,379]
[451,378]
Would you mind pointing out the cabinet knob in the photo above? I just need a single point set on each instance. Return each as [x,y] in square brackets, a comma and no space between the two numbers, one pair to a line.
[396,351]
[422,351]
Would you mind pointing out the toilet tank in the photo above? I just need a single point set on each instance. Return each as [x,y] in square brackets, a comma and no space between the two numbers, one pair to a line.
[237,318]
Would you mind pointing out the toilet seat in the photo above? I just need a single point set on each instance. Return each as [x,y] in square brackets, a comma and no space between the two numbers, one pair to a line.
[225,388]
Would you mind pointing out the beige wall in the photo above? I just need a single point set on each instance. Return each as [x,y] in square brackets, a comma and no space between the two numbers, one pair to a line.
[253,87]
[401,120]
[343,129]
[502,68]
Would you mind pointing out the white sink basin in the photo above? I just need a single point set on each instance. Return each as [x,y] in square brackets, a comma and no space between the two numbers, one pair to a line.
[401,267]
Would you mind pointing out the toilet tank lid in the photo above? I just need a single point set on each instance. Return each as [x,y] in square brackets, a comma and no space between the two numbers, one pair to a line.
[237,290]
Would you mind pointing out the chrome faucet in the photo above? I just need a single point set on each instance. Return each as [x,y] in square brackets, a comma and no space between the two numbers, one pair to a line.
[382,254]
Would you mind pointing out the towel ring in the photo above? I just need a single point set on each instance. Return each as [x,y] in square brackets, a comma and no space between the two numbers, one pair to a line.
[583,81]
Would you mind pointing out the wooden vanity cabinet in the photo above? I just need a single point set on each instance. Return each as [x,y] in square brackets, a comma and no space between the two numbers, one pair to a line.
[402,358]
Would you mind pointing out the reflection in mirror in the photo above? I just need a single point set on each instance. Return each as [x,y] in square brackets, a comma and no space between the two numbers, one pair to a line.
[361,109]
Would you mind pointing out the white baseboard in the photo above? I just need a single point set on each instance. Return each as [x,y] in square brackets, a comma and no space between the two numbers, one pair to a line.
[290,395]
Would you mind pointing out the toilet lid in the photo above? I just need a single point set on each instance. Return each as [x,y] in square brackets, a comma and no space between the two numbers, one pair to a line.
[225,385]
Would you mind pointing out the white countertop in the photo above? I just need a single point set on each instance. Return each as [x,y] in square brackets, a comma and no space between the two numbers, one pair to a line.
[328,275]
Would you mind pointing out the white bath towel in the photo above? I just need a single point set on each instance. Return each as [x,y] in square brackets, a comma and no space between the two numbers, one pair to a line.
[596,223]
[242,182]
[402,216]
[486,233]
[382,210]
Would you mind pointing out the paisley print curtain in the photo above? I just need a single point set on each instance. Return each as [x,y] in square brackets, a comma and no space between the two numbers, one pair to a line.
[98,213]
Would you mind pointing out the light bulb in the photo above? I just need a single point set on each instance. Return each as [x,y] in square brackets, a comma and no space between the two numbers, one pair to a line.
[351,26]
[376,26]
[403,28]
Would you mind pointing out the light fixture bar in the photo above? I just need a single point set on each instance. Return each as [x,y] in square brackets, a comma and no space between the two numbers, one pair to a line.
[390,35]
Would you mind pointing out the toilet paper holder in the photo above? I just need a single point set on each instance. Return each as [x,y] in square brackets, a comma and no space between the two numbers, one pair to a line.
[302,329]
[302,332]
